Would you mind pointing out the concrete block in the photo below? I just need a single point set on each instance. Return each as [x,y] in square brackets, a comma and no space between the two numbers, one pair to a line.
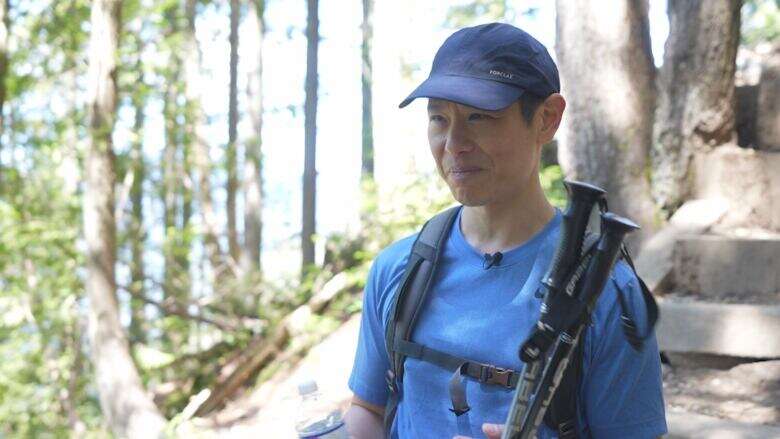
[748,179]
[768,114]
[723,267]
[751,331]
[687,425]
[654,260]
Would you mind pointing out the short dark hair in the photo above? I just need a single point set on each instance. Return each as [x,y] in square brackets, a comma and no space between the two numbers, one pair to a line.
[528,105]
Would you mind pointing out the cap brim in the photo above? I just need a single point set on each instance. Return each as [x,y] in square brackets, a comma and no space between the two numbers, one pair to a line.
[474,92]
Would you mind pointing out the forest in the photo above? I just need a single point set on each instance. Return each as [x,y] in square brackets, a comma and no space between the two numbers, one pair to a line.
[192,191]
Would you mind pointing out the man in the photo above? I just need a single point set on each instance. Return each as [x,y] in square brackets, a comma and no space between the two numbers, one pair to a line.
[493,101]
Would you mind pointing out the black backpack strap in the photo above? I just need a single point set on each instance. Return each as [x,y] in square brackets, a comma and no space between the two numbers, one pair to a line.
[561,416]
[635,339]
[410,296]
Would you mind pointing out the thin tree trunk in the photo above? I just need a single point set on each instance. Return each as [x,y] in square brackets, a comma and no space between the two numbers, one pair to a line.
[696,88]
[127,407]
[310,122]
[253,182]
[136,232]
[169,187]
[230,154]
[609,117]
[195,123]
[5,25]
[368,123]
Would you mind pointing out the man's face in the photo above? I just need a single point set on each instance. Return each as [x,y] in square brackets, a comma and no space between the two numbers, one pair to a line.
[486,157]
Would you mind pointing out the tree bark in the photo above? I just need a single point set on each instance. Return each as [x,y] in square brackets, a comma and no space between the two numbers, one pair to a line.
[607,74]
[195,123]
[696,92]
[230,153]
[310,126]
[127,407]
[367,168]
[253,182]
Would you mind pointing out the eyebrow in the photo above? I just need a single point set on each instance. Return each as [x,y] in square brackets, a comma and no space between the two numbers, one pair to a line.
[433,105]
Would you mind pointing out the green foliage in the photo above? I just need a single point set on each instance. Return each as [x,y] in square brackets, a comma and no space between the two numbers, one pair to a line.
[760,22]
[41,336]
[551,178]
[477,11]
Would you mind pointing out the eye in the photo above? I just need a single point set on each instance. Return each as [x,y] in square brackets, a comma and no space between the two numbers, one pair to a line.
[435,118]
[479,116]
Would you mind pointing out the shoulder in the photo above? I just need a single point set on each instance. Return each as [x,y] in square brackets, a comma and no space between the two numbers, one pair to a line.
[388,267]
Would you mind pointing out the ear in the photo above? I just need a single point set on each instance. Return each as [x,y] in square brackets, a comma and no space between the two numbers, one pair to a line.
[549,115]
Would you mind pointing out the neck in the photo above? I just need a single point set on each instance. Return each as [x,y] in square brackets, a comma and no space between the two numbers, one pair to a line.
[503,226]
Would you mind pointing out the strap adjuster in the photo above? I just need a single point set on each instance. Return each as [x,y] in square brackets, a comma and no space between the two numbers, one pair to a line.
[495,375]
[390,380]
[566,429]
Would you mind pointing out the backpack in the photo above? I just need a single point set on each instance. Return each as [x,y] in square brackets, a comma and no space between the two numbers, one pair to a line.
[408,304]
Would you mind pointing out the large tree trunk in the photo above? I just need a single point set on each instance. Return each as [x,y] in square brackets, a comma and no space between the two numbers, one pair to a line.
[128,409]
[253,182]
[367,169]
[696,88]
[607,74]
[4,30]
[230,154]
[195,123]
[310,122]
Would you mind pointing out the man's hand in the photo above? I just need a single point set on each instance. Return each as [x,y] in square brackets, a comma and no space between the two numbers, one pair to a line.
[492,431]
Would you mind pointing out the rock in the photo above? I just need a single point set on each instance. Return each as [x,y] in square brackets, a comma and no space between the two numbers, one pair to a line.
[722,267]
[768,108]
[725,329]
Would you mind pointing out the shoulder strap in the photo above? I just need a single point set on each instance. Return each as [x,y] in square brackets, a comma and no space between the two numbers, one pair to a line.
[561,416]
[410,296]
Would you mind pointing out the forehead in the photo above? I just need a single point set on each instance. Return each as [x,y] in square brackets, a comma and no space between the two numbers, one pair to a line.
[435,104]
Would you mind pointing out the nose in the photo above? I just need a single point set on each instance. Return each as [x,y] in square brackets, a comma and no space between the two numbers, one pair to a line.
[458,139]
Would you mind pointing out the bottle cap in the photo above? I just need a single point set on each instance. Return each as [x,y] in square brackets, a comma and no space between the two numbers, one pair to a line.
[307,386]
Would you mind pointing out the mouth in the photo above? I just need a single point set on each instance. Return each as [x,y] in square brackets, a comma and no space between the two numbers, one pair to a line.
[461,172]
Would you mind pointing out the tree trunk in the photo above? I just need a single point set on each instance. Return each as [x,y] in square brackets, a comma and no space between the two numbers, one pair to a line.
[230,153]
[253,182]
[195,122]
[169,186]
[136,231]
[696,89]
[608,123]
[128,409]
[368,123]
[310,122]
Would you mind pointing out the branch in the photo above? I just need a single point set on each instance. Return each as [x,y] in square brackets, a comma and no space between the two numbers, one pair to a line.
[173,308]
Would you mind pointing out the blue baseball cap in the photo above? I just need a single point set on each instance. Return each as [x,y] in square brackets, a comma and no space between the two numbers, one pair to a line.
[489,67]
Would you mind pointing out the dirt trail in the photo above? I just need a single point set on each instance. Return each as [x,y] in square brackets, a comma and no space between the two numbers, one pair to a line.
[738,402]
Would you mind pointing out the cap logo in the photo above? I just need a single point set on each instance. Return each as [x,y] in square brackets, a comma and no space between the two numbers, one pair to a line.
[501,74]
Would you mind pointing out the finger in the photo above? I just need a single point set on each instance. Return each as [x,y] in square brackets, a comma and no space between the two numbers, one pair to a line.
[492,431]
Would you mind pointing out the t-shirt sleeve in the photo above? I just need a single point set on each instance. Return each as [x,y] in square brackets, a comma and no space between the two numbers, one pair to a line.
[622,389]
[367,380]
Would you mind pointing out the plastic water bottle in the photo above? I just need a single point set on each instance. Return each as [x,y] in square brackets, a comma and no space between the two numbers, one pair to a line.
[317,416]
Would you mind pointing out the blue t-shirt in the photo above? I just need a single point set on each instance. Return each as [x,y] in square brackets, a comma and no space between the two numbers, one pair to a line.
[484,315]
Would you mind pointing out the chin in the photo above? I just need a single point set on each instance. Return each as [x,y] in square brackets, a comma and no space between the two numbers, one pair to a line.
[470,199]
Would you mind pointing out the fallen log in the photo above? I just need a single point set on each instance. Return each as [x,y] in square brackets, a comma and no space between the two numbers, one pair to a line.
[262,350]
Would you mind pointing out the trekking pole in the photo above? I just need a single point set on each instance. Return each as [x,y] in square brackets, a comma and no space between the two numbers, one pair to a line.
[581,199]
[542,372]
